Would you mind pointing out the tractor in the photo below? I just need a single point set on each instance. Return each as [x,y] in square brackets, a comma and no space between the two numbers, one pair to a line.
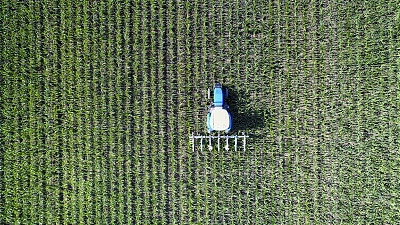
[218,117]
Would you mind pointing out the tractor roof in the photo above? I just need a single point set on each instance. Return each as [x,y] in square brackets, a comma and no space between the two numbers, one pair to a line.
[219,119]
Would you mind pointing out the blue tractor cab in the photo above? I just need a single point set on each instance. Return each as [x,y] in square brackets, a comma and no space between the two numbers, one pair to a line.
[218,117]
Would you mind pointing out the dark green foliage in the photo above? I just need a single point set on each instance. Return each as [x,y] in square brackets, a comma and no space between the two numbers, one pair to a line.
[98,99]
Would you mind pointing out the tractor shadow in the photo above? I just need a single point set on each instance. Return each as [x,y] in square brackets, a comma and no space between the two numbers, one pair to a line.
[244,115]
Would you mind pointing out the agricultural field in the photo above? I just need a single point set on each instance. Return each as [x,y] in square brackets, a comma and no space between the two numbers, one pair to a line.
[98,100]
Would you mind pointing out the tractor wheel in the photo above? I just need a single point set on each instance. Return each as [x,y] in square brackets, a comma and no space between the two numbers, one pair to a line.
[209,94]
